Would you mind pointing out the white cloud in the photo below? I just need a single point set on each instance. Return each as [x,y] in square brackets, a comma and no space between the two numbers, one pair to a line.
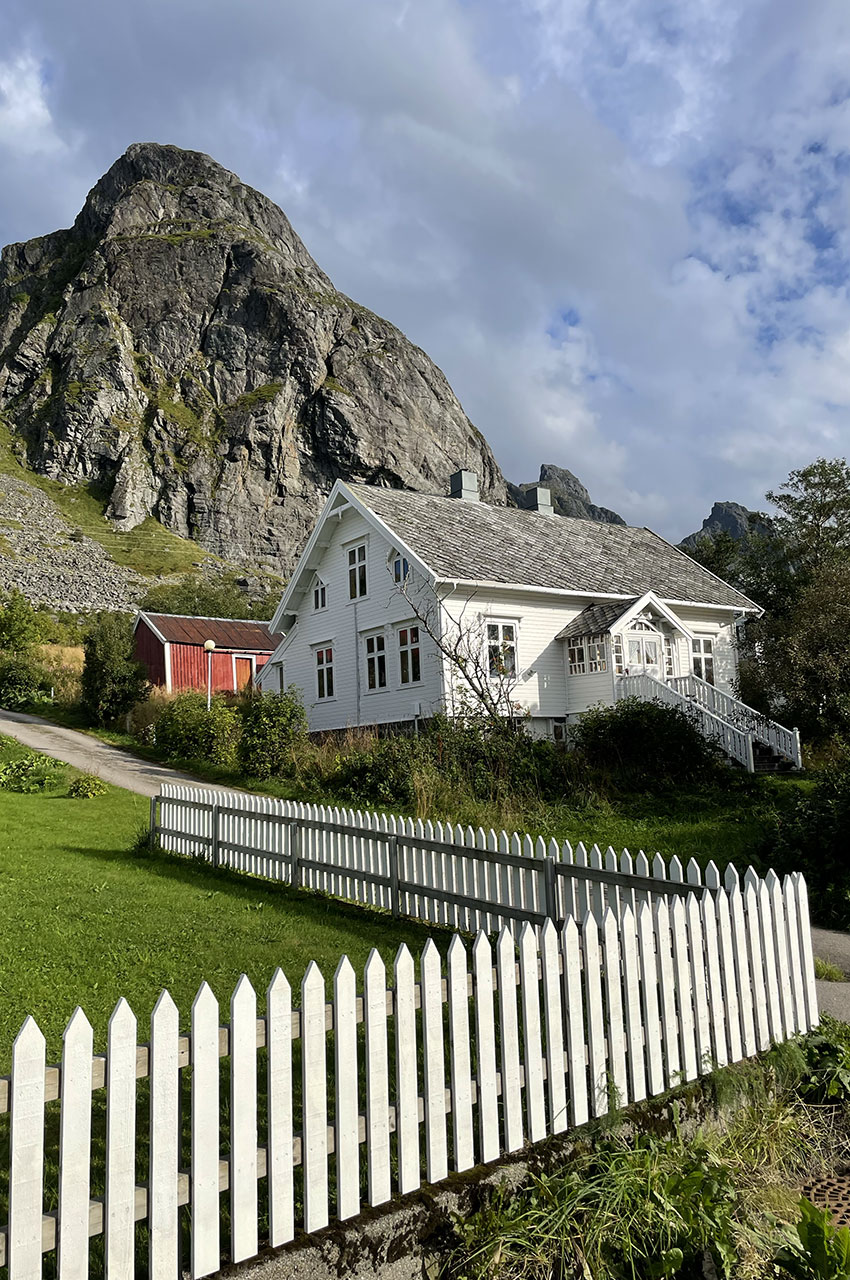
[26,125]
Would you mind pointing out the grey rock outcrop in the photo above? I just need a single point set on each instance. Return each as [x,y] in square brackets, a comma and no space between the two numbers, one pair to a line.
[731,518]
[179,349]
[569,496]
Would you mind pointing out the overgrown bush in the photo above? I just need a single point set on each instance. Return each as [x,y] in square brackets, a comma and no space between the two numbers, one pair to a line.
[642,745]
[187,731]
[112,680]
[30,773]
[810,835]
[271,725]
[87,787]
[142,719]
[22,683]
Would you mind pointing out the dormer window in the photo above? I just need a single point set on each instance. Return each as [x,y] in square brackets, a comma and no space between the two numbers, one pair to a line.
[320,595]
[401,568]
[357,571]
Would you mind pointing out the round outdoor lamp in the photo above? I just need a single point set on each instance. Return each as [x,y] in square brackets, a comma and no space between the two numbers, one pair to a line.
[209,645]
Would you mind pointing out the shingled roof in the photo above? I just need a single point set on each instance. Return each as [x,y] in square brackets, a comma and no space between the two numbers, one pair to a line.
[596,619]
[474,542]
[245,635]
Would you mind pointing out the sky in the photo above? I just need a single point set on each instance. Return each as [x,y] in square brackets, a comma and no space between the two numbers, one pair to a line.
[621,227]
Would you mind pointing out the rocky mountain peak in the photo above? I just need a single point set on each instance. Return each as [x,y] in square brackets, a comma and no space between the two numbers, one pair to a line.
[732,518]
[180,350]
[569,496]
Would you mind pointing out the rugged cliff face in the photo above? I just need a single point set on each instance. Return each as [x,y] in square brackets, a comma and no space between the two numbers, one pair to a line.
[181,350]
[731,518]
[569,496]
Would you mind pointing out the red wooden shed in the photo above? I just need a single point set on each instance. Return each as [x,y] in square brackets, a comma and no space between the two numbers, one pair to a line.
[171,648]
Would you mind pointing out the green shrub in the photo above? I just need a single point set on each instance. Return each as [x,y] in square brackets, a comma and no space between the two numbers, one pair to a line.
[30,773]
[22,683]
[187,731]
[87,786]
[810,835]
[821,1250]
[648,746]
[112,681]
[272,724]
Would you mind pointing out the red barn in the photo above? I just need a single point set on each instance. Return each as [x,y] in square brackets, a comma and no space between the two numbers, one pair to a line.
[171,648]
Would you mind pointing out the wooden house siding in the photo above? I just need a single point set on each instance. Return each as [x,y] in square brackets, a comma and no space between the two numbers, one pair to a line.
[343,626]
[721,627]
[149,650]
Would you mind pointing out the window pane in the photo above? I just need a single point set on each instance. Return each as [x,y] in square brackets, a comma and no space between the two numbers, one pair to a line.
[330,674]
[414,662]
[634,651]
[414,635]
[508,635]
[402,636]
[405,669]
[651,652]
[382,671]
[352,556]
[494,661]
[492,632]
[362,580]
[321,683]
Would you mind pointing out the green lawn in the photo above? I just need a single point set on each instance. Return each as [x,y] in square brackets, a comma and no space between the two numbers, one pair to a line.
[84,922]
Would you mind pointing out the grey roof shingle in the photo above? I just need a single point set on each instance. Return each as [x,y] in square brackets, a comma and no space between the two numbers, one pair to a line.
[596,619]
[475,542]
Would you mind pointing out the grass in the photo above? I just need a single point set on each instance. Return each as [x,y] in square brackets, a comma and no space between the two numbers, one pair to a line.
[724,824]
[828,972]
[148,549]
[84,922]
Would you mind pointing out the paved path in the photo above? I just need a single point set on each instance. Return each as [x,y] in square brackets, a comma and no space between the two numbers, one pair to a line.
[91,755]
[833,997]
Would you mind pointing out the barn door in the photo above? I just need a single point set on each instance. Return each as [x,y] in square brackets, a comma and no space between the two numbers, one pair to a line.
[243,674]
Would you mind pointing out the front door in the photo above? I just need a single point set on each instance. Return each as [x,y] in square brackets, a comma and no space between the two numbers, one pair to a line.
[243,673]
[644,653]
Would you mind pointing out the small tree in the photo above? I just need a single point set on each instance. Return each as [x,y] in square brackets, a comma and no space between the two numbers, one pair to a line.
[113,681]
[481,659]
[21,627]
[272,724]
[814,511]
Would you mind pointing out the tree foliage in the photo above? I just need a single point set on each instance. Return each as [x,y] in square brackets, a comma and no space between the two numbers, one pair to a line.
[199,597]
[21,627]
[113,682]
[272,724]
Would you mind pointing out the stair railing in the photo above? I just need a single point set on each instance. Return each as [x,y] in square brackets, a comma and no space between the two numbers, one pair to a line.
[785,742]
[736,742]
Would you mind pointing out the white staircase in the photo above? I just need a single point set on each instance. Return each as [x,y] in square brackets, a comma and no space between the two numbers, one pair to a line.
[747,737]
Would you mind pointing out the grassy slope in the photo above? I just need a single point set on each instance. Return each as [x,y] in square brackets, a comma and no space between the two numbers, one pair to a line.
[83,922]
[725,826]
[149,548]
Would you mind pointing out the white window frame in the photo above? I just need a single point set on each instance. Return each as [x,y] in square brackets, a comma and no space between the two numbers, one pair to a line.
[359,568]
[399,567]
[322,669]
[501,623]
[701,655]
[407,648]
[320,593]
[378,641]
[577,656]
[618,654]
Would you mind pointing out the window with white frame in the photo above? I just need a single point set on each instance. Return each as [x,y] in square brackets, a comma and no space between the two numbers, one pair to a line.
[703,658]
[597,655]
[501,650]
[357,571]
[400,568]
[559,730]
[376,662]
[325,672]
[669,669]
[320,595]
[577,657]
[410,663]
[617,654]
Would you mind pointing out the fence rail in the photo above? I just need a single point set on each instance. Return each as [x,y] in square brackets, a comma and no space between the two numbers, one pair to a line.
[448,875]
[332,1106]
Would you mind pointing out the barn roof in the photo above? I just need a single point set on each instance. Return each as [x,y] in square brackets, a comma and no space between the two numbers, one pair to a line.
[475,542]
[244,634]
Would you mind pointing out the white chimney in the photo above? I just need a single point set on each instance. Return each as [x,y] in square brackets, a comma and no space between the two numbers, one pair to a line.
[464,485]
[540,499]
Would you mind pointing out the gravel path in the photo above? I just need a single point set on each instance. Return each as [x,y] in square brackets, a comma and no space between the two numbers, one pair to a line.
[92,756]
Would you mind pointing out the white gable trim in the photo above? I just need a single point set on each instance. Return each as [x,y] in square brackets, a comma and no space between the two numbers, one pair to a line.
[650,598]
[308,564]
[144,617]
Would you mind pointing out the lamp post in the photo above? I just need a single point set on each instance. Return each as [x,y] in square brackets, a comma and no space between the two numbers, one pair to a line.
[209,645]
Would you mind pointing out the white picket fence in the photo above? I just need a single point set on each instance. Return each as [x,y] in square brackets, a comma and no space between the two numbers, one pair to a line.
[307,1112]
[447,875]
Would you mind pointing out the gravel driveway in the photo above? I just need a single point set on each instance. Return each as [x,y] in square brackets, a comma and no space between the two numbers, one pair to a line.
[92,756]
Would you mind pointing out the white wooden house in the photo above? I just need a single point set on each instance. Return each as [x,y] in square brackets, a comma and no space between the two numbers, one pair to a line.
[578,613]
